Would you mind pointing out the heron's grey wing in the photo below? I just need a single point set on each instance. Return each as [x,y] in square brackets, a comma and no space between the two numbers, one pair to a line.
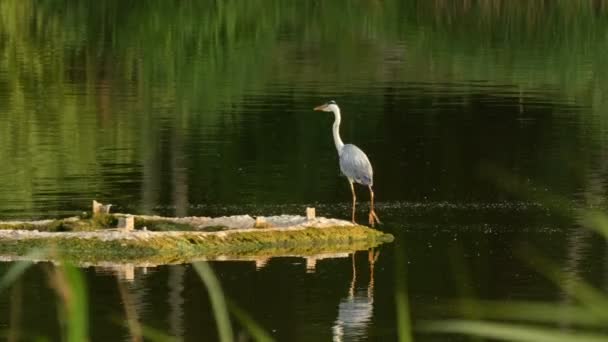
[355,165]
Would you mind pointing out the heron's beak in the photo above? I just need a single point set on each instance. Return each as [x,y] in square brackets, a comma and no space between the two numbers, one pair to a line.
[319,107]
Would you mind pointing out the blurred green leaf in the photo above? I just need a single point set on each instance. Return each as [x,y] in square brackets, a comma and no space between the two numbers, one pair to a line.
[77,320]
[18,268]
[594,300]
[508,331]
[155,335]
[534,312]
[255,330]
[402,306]
[218,302]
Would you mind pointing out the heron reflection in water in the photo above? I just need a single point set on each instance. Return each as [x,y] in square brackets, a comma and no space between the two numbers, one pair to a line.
[355,311]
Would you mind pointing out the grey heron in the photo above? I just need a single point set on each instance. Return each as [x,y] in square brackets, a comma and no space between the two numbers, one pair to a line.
[354,164]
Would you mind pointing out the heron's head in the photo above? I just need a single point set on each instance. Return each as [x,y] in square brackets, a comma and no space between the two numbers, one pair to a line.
[330,106]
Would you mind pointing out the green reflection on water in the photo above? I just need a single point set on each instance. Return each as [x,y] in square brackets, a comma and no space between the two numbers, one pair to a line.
[107,96]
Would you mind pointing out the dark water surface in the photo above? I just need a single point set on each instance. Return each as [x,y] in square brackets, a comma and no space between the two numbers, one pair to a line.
[205,108]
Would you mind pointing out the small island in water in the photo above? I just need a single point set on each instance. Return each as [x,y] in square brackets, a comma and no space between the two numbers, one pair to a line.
[105,237]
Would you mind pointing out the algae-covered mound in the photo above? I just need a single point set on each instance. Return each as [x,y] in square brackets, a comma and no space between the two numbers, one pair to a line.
[169,240]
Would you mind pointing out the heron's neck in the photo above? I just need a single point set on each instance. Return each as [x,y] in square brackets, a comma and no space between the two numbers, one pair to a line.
[336,130]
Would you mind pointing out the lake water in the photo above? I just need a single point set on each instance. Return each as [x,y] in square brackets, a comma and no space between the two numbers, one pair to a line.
[205,108]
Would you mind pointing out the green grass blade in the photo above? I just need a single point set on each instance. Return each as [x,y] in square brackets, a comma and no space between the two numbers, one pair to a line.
[18,268]
[77,306]
[594,220]
[154,335]
[218,302]
[13,273]
[593,299]
[404,328]
[255,330]
[41,339]
[149,333]
[553,313]
[508,331]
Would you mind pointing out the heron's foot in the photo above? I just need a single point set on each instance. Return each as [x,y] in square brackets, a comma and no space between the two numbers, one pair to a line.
[373,218]
[353,221]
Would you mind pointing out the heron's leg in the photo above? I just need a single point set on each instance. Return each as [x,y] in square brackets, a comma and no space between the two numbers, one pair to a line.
[351,289]
[373,218]
[352,189]
[372,257]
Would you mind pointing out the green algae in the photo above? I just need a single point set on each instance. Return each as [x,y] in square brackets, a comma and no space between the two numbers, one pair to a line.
[188,246]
